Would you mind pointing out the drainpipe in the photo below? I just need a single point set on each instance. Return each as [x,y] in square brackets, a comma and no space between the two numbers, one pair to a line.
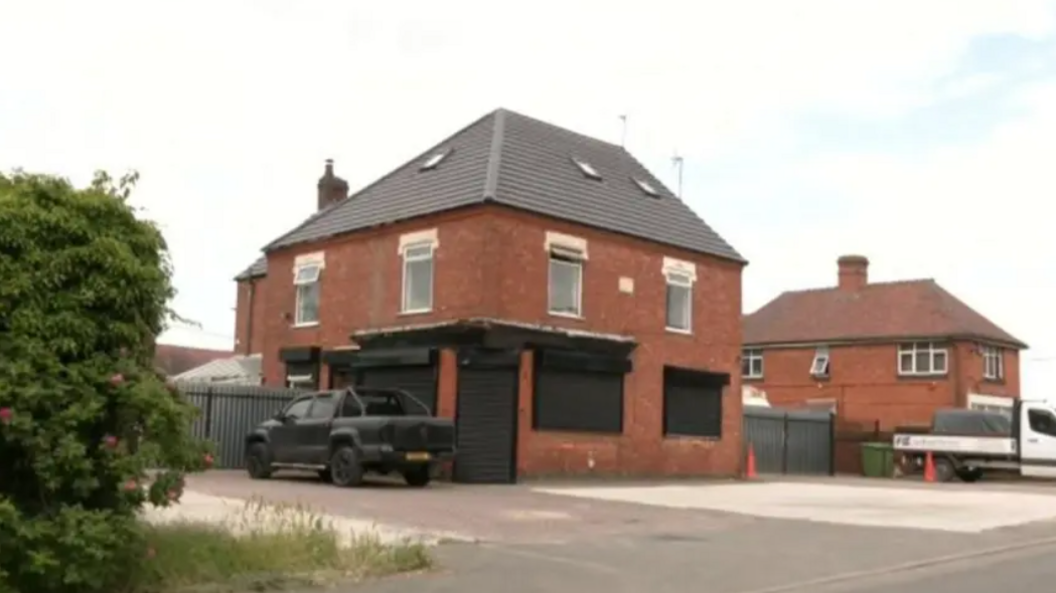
[960,397]
[249,318]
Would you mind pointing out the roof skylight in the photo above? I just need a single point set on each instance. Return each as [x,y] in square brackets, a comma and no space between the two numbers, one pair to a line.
[586,168]
[435,160]
[646,187]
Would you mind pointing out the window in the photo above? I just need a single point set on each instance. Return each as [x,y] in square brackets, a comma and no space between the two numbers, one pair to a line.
[646,187]
[921,358]
[1042,421]
[679,302]
[576,400]
[680,277]
[820,366]
[566,282]
[323,406]
[434,160]
[306,282]
[692,403]
[298,409]
[417,250]
[993,363]
[587,169]
[752,364]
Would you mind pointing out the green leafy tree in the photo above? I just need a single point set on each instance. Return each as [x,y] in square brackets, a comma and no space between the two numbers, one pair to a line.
[89,431]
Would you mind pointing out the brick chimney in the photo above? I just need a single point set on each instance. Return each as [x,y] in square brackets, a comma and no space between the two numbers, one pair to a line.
[854,272]
[332,189]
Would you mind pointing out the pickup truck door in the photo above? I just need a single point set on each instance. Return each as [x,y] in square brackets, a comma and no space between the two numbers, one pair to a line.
[1037,440]
[285,436]
[313,433]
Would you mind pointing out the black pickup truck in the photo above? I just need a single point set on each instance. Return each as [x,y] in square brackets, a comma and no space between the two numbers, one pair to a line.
[346,433]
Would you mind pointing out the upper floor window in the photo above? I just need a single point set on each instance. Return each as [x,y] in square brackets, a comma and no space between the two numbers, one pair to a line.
[752,364]
[993,362]
[565,286]
[416,251]
[820,366]
[307,270]
[922,358]
[680,277]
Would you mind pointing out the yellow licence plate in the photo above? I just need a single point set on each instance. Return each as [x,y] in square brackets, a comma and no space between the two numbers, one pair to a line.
[417,457]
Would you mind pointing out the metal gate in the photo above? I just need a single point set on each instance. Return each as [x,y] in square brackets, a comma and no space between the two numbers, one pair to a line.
[486,420]
[790,441]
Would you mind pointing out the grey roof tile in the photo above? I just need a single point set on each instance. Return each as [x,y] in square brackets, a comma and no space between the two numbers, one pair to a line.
[526,164]
[255,270]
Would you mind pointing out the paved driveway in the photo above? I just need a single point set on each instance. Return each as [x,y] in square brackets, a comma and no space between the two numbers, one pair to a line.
[532,540]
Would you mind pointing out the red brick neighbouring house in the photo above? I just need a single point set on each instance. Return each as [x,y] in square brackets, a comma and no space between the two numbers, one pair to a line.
[516,276]
[889,352]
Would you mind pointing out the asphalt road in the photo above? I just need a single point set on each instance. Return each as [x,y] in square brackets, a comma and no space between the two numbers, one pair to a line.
[771,557]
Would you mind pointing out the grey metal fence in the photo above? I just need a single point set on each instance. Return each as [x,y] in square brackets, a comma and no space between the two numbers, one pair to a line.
[790,441]
[229,412]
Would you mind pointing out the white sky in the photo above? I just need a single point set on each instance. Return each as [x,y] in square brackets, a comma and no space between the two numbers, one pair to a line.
[229,108]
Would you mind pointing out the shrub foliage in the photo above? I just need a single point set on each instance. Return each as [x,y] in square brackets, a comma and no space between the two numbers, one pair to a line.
[84,417]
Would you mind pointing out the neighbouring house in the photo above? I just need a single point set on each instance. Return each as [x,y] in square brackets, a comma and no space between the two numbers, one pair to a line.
[173,360]
[539,286]
[234,370]
[889,352]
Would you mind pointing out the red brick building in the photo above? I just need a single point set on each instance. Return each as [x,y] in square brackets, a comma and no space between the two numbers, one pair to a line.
[540,287]
[891,352]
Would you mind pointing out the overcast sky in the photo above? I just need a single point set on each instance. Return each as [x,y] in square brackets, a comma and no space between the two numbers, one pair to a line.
[920,134]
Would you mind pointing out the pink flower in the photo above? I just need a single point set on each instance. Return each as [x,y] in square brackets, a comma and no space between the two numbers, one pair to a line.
[173,495]
[150,553]
[110,441]
[131,486]
[117,379]
[6,414]
[208,459]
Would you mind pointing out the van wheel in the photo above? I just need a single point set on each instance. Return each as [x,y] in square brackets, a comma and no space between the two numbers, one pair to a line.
[346,471]
[973,474]
[258,462]
[944,470]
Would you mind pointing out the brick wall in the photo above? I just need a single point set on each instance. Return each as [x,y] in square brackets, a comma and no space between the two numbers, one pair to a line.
[491,262]
[249,316]
[864,381]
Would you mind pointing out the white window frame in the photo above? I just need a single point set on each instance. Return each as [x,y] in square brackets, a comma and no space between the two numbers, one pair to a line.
[681,274]
[751,354]
[993,362]
[294,381]
[417,247]
[307,275]
[932,349]
[822,361]
[570,251]
[992,403]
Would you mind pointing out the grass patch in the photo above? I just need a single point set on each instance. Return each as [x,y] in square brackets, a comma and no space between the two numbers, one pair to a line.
[267,548]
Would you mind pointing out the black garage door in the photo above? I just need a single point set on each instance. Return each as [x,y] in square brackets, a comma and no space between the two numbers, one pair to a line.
[419,381]
[486,417]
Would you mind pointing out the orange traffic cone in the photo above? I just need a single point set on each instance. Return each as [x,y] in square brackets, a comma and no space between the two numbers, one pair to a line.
[750,471]
[929,468]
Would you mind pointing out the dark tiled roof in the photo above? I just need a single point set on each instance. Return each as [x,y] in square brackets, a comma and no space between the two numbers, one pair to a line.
[893,310]
[524,163]
[173,360]
[255,270]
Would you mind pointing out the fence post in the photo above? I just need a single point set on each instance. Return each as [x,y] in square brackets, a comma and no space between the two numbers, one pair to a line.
[784,443]
[209,412]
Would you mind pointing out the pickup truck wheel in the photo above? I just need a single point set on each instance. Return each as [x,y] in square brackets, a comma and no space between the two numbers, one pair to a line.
[258,462]
[417,476]
[346,470]
[944,470]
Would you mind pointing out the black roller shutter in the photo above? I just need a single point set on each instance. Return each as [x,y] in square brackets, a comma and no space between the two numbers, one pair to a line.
[486,425]
[419,381]
[579,393]
[693,403]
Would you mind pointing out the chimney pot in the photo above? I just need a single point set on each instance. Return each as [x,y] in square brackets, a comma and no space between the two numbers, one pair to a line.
[853,272]
[332,189]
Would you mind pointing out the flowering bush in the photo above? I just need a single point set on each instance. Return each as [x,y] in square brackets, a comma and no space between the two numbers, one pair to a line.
[84,417]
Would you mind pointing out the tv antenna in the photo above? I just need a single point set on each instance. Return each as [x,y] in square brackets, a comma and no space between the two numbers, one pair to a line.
[678,162]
